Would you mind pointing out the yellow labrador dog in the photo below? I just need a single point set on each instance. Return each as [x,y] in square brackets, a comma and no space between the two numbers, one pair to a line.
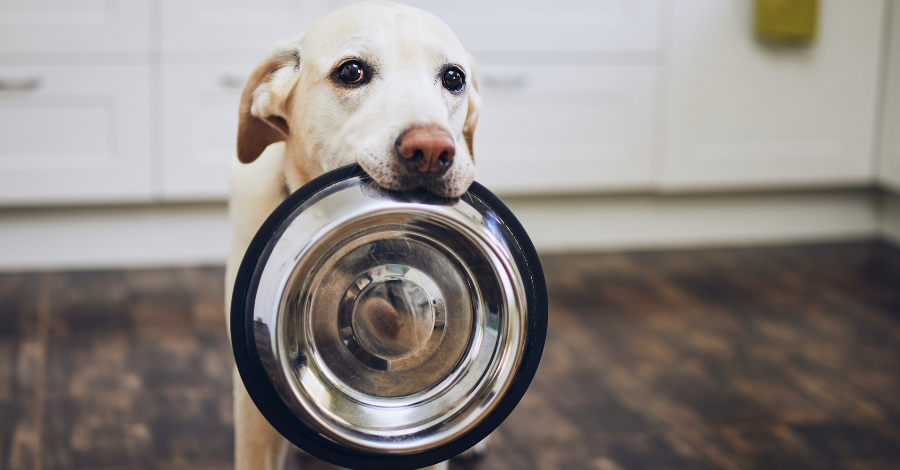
[380,84]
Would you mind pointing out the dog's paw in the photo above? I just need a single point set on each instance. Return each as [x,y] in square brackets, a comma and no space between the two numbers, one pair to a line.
[477,451]
[296,458]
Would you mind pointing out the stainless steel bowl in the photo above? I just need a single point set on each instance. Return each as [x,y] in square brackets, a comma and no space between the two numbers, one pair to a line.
[383,329]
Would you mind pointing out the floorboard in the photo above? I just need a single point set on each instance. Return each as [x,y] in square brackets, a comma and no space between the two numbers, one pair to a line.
[758,358]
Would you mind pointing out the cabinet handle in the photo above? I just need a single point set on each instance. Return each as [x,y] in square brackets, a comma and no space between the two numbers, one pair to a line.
[232,81]
[19,84]
[505,81]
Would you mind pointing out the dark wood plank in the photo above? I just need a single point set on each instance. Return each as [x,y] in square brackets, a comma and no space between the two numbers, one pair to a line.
[777,357]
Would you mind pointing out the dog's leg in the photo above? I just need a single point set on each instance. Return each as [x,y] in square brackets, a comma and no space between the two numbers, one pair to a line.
[257,189]
[257,445]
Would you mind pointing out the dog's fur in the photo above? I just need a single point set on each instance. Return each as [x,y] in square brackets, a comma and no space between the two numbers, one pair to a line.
[297,122]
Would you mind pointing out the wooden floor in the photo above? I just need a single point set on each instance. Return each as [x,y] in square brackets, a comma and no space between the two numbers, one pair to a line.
[729,359]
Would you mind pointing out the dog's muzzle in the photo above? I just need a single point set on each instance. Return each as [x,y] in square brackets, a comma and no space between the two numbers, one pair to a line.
[380,329]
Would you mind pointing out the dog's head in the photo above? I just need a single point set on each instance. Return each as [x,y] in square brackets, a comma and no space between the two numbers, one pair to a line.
[385,85]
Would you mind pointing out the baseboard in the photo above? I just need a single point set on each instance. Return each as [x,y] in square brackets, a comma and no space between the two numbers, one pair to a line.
[114,237]
[683,221]
[185,234]
[890,218]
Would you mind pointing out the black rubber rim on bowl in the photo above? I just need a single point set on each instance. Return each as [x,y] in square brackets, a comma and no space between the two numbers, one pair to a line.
[263,393]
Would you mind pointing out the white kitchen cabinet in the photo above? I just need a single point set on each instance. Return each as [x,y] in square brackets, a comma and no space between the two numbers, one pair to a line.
[740,114]
[565,128]
[200,110]
[579,96]
[75,134]
[537,25]
[235,25]
[889,162]
[68,26]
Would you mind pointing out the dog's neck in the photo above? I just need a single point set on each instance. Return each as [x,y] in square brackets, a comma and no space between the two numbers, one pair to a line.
[298,169]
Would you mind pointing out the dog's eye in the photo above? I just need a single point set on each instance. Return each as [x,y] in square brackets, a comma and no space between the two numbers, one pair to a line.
[454,80]
[352,73]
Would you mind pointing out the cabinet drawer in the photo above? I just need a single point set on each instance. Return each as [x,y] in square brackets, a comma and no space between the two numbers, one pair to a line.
[74,134]
[565,129]
[200,111]
[236,25]
[743,115]
[536,25]
[66,26]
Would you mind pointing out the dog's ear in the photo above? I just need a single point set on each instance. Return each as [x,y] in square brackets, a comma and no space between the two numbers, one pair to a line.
[261,115]
[474,107]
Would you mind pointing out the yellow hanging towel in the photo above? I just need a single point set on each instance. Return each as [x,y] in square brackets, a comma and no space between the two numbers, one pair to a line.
[786,22]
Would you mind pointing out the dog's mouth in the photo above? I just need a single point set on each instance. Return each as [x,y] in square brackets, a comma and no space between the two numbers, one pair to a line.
[417,194]
[397,178]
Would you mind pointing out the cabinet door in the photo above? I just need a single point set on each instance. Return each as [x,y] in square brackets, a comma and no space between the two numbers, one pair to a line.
[67,26]
[74,134]
[565,128]
[741,114]
[537,25]
[200,110]
[236,25]
[889,164]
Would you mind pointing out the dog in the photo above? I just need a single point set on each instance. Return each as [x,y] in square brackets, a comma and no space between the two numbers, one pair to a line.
[384,85]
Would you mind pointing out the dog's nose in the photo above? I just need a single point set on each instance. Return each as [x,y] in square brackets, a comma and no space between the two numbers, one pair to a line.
[426,149]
